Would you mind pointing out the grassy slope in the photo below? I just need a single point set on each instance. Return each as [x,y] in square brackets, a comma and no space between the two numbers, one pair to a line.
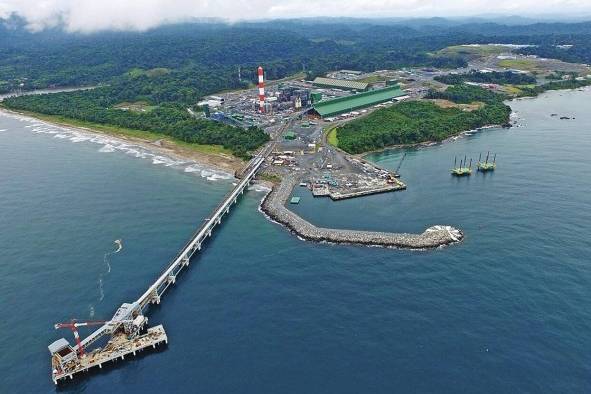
[521,64]
[332,137]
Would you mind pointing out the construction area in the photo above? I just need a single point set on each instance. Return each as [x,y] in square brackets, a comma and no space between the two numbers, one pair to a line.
[297,113]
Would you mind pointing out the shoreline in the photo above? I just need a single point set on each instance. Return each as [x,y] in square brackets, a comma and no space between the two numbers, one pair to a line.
[274,209]
[425,144]
[460,134]
[163,146]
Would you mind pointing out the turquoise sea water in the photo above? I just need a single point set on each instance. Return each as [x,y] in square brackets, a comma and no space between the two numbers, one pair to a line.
[260,311]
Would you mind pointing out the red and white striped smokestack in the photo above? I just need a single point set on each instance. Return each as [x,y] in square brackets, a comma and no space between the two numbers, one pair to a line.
[261,90]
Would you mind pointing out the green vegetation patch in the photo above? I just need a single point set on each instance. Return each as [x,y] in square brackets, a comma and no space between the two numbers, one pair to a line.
[495,77]
[171,120]
[466,94]
[473,51]
[152,73]
[530,65]
[332,137]
[555,85]
[137,106]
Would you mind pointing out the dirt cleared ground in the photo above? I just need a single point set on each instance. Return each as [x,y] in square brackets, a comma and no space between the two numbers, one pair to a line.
[449,104]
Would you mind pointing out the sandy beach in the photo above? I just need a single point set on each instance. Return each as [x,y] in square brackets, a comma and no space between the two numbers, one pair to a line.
[164,147]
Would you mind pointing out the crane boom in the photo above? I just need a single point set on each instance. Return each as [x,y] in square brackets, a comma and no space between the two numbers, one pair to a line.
[74,324]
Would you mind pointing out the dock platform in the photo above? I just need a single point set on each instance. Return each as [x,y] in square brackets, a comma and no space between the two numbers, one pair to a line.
[118,347]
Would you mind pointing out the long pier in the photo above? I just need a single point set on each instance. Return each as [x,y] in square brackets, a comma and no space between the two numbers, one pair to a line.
[168,277]
[129,318]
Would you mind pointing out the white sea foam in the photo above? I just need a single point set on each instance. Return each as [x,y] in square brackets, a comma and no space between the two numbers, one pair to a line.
[259,188]
[193,168]
[3,130]
[167,161]
[107,148]
[113,144]
[206,173]
[216,176]
[79,138]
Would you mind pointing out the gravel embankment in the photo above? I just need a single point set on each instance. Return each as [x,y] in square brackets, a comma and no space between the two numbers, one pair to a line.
[274,206]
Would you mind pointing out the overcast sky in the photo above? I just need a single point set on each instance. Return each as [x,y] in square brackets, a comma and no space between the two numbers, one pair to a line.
[93,15]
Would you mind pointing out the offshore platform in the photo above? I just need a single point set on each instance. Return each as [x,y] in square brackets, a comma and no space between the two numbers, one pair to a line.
[485,166]
[462,169]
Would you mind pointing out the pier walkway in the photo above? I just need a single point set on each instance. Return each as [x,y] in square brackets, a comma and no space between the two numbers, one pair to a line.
[128,312]
[168,277]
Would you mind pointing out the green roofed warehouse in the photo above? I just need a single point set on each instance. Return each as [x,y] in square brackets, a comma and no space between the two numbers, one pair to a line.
[341,105]
[340,84]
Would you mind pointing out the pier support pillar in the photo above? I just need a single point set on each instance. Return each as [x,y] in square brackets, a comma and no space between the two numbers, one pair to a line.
[155,298]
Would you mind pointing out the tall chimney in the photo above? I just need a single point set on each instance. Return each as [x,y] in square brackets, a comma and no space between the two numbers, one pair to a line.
[261,90]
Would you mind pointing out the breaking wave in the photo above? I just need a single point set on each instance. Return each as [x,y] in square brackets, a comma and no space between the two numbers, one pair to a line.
[107,148]
[110,144]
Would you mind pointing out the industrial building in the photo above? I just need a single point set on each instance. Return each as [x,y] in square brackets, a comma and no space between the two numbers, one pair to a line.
[340,84]
[341,105]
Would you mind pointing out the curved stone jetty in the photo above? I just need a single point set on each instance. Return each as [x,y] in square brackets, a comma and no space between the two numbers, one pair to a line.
[274,206]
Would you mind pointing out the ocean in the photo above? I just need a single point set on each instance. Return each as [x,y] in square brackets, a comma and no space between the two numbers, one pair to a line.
[261,311]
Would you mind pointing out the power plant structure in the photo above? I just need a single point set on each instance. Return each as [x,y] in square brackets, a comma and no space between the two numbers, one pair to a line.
[261,89]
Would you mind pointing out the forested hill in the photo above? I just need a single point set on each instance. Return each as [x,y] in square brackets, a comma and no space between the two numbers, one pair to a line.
[420,121]
[171,119]
[55,58]
[196,53]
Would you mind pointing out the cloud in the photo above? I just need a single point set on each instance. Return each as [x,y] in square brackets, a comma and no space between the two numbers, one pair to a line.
[93,15]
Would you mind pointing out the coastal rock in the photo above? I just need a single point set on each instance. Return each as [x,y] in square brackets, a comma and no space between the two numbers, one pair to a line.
[274,206]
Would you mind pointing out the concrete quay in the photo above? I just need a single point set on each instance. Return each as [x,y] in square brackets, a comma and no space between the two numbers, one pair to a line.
[274,206]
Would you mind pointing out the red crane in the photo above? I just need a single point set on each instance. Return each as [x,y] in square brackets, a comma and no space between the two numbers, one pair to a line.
[74,324]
